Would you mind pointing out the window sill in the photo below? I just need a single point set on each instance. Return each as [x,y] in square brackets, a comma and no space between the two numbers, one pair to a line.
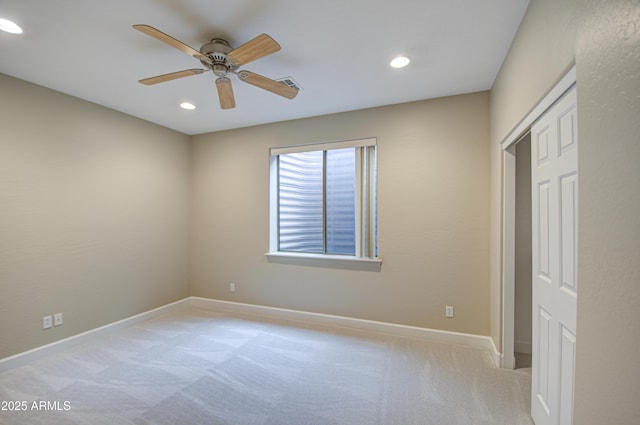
[326,261]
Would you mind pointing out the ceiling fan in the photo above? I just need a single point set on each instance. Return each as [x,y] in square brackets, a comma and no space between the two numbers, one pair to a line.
[218,56]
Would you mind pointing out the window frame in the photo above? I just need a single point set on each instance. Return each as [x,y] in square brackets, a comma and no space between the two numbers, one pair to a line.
[367,253]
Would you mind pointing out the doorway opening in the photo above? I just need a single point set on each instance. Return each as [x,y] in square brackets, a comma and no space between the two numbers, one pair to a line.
[521,133]
[522,260]
[517,289]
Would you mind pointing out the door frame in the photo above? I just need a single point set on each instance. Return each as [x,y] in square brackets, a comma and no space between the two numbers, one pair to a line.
[508,213]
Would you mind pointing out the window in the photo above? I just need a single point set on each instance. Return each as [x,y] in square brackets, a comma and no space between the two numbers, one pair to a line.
[323,199]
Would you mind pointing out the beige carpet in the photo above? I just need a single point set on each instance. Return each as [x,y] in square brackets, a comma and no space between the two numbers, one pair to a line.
[200,367]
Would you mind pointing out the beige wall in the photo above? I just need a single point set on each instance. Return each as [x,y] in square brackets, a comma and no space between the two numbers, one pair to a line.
[433,217]
[603,39]
[94,215]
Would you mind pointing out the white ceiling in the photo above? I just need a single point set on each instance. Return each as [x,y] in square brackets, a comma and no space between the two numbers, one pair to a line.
[337,50]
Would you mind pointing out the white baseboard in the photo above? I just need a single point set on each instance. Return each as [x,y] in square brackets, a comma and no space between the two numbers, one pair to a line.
[54,347]
[449,337]
[497,355]
[469,340]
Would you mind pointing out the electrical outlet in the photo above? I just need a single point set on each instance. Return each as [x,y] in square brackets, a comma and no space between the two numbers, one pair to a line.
[46,322]
[57,319]
[448,311]
[232,287]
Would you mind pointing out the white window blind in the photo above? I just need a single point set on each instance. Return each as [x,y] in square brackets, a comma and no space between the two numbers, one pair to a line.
[323,199]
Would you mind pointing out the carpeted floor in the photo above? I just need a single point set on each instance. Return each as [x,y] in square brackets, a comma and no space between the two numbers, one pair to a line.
[201,367]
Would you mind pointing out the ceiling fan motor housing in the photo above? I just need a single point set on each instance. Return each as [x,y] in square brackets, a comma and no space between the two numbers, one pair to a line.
[217,50]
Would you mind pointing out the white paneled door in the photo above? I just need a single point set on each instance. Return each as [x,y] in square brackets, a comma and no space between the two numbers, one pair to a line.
[554,180]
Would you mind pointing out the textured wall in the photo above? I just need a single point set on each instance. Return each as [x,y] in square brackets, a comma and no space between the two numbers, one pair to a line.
[94,215]
[603,39]
[433,216]
[608,58]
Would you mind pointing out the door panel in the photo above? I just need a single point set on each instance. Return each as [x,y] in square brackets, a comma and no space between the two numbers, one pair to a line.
[542,146]
[544,344]
[568,231]
[554,180]
[543,231]
[567,367]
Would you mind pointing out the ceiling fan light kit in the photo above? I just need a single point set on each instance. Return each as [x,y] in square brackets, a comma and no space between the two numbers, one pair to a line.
[222,59]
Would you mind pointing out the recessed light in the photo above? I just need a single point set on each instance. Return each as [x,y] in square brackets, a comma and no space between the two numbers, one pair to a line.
[9,26]
[188,106]
[400,62]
